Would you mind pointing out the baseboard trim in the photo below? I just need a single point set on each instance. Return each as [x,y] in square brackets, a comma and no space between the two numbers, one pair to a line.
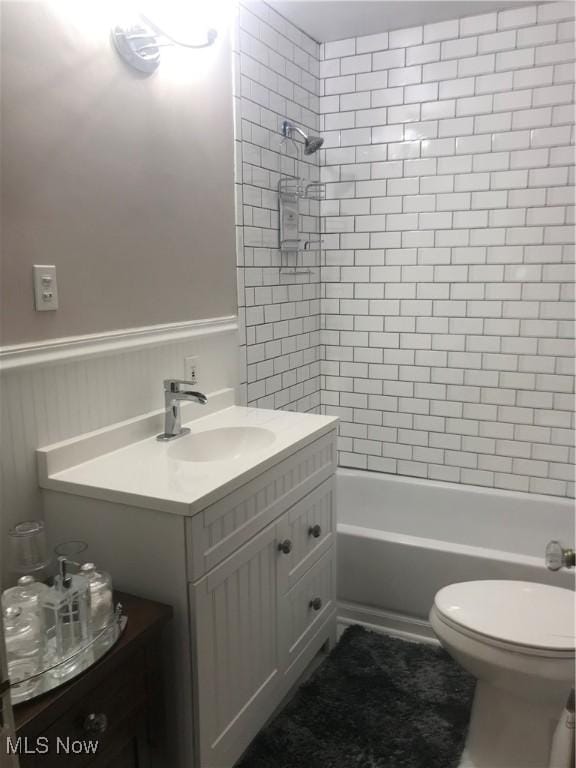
[386,622]
[98,344]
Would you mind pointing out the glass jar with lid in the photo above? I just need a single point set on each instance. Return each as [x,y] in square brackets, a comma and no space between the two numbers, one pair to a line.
[27,594]
[24,638]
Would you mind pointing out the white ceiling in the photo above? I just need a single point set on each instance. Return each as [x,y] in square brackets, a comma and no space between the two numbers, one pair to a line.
[326,20]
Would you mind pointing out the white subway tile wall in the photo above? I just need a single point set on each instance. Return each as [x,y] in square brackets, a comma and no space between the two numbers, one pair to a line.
[447,290]
[277,76]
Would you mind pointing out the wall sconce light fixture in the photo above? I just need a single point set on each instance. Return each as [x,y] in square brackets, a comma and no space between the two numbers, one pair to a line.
[139,44]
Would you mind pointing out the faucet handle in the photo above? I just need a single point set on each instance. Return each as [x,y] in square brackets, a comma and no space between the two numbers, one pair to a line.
[173,385]
[557,557]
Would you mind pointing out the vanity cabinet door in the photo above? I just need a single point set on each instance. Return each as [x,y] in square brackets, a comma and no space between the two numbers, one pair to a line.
[308,530]
[236,654]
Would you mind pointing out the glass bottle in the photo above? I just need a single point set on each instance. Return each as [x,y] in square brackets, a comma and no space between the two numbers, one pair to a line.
[101,603]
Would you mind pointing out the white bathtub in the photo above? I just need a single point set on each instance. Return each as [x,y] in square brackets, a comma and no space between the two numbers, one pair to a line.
[401,539]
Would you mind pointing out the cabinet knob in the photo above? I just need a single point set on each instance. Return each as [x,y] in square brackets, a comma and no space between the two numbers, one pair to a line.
[285,546]
[315,604]
[315,531]
[96,722]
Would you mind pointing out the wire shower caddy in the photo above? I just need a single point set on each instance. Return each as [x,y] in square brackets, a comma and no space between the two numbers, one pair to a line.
[296,242]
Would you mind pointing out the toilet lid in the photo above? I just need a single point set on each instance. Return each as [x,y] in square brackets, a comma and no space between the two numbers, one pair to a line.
[517,612]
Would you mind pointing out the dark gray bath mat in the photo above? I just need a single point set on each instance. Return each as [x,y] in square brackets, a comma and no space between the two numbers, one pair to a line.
[376,702]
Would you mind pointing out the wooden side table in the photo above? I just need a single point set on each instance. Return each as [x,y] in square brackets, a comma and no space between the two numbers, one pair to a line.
[112,715]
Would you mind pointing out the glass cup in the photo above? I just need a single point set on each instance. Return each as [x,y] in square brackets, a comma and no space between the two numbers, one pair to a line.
[27,547]
[72,550]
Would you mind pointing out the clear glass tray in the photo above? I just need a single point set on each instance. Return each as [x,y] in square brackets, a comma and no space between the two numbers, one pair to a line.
[55,673]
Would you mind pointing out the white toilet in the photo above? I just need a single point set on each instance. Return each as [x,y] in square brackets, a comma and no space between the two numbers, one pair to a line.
[518,639]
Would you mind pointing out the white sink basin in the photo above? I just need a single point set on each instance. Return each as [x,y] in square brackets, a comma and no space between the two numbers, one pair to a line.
[225,448]
[221,444]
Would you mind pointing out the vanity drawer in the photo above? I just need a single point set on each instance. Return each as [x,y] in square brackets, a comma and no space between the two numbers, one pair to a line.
[213,534]
[305,532]
[305,608]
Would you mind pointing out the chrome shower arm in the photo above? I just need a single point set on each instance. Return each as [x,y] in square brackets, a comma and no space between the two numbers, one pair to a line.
[288,127]
[311,143]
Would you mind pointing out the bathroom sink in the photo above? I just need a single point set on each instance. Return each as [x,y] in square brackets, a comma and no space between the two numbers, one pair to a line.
[221,444]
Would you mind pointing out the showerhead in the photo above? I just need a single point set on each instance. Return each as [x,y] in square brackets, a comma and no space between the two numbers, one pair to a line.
[311,143]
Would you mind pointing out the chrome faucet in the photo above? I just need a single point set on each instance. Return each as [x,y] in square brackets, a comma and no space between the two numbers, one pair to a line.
[173,396]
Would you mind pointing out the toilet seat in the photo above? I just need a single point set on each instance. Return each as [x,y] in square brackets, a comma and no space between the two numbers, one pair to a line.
[521,616]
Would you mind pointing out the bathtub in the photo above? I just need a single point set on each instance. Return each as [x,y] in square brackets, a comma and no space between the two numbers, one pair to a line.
[401,539]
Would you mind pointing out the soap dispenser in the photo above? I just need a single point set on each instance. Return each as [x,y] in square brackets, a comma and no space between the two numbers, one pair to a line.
[67,618]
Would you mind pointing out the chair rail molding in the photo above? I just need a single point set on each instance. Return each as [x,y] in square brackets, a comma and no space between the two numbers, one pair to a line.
[59,350]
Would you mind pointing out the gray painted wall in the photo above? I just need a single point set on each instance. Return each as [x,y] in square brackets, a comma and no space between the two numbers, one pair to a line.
[124,182]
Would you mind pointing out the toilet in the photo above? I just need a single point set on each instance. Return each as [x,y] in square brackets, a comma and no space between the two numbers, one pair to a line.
[518,639]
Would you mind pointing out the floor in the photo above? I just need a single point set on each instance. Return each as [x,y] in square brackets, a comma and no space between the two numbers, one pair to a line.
[375,702]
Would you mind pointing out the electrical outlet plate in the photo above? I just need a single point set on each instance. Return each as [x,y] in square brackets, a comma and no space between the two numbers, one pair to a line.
[191,369]
[45,287]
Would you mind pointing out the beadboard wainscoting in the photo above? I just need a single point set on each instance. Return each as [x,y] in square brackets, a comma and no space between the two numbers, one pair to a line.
[55,390]
[276,78]
[448,286]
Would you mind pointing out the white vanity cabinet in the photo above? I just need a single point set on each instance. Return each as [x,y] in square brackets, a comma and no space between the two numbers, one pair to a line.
[253,623]
[251,577]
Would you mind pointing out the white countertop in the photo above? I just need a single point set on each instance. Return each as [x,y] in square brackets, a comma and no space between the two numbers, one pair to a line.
[145,474]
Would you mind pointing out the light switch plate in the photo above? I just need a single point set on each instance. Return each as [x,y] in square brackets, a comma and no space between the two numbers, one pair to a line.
[45,287]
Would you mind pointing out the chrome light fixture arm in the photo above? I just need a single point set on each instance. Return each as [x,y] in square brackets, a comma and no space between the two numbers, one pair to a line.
[139,44]
[211,36]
